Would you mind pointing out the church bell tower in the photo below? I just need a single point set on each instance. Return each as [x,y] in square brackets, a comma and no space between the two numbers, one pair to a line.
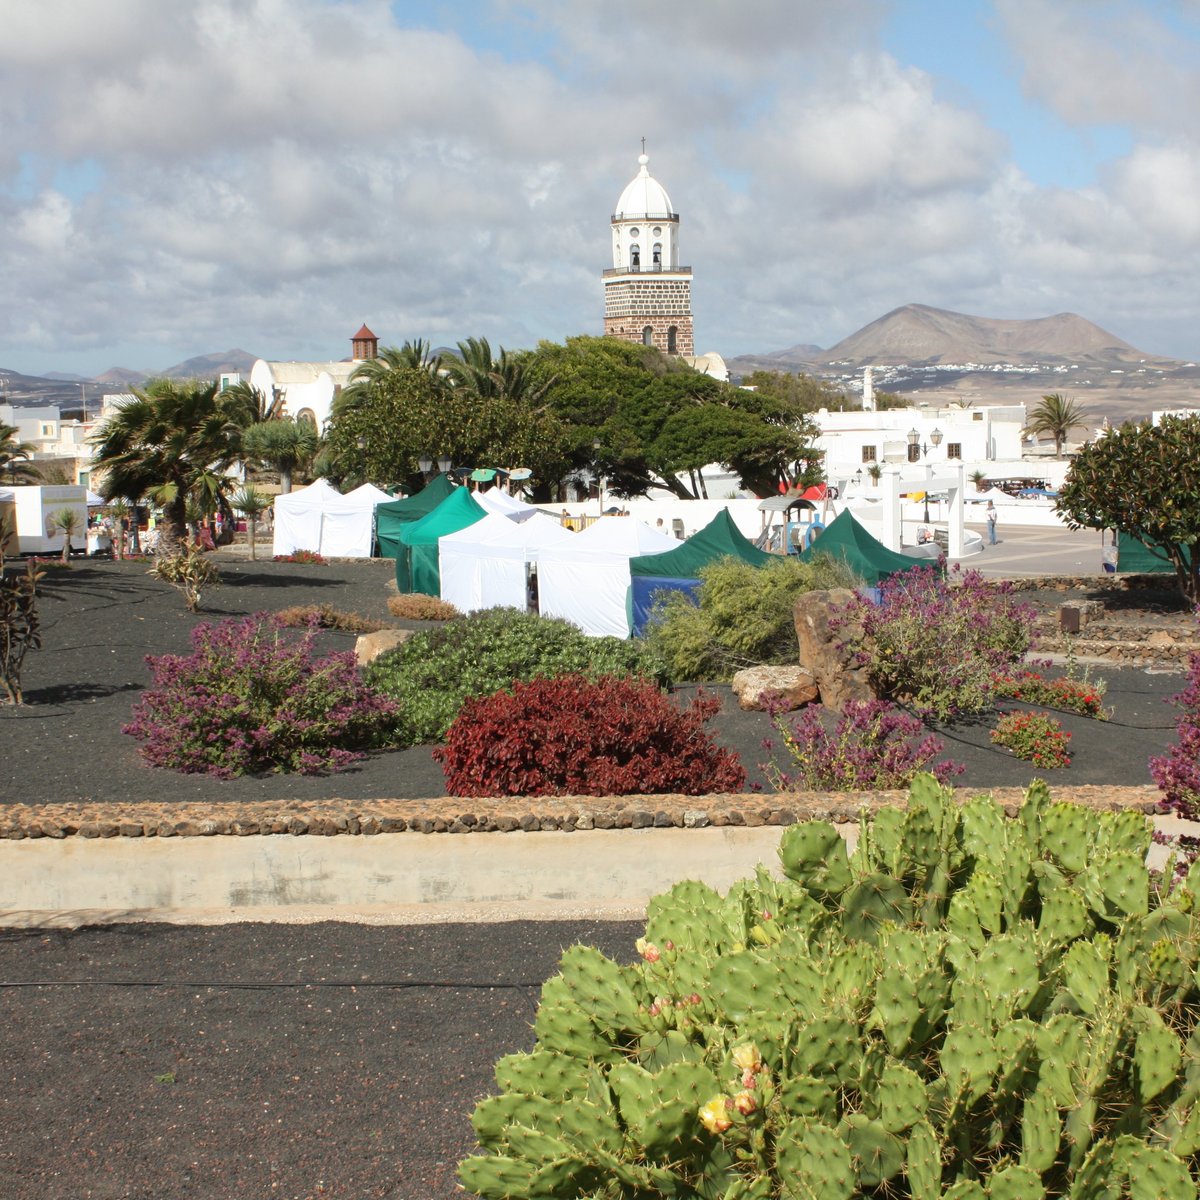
[647,294]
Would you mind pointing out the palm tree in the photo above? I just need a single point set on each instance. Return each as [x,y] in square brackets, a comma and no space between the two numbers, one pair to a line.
[174,439]
[252,504]
[285,445]
[1057,416]
[15,457]
[68,521]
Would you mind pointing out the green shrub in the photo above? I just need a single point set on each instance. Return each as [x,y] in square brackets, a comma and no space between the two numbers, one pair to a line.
[968,1007]
[436,670]
[744,617]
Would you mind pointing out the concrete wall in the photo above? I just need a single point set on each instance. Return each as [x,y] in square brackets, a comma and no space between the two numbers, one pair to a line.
[483,876]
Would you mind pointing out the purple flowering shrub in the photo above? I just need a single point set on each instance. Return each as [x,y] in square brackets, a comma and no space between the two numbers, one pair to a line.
[937,644]
[873,744]
[252,699]
[1177,772]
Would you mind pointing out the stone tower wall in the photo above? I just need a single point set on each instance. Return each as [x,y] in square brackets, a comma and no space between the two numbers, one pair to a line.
[632,303]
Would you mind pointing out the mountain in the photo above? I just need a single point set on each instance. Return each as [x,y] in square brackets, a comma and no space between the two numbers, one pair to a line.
[917,335]
[209,366]
[122,377]
[933,357]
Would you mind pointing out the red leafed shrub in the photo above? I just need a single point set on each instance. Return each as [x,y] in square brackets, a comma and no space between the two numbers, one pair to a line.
[588,737]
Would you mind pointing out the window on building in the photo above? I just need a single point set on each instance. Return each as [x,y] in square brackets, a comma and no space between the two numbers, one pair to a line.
[672,335]
[307,414]
[648,336]
[635,255]
[914,454]
[868,453]
[657,259]
[954,449]
[977,416]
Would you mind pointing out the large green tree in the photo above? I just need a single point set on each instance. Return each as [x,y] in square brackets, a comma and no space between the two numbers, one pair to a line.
[406,412]
[1143,480]
[174,440]
[656,418]
[1056,415]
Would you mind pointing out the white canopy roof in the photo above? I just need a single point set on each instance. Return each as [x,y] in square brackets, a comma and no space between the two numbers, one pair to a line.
[484,565]
[497,500]
[586,580]
[321,519]
[370,493]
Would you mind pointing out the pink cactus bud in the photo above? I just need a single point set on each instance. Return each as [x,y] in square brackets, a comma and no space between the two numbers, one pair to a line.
[648,950]
[745,1103]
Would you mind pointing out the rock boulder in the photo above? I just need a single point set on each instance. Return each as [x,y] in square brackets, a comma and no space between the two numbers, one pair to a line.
[370,646]
[823,650]
[794,685]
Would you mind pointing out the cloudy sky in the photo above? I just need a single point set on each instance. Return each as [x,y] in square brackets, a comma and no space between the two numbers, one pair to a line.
[187,177]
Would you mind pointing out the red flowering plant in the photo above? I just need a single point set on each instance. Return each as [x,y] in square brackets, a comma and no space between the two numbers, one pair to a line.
[1036,737]
[303,556]
[1082,696]
[572,735]
[873,744]
[249,699]
[937,643]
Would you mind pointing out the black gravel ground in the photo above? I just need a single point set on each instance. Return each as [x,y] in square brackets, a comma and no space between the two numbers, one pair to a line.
[101,619]
[146,1062]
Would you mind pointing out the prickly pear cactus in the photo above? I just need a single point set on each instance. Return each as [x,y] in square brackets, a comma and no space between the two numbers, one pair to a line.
[967,1008]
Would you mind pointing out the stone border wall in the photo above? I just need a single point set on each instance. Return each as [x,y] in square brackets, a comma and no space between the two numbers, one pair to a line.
[343,818]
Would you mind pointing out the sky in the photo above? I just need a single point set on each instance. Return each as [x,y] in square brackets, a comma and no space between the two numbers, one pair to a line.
[190,177]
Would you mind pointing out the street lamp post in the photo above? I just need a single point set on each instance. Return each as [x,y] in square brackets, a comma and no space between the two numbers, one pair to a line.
[599,476]
[917,448]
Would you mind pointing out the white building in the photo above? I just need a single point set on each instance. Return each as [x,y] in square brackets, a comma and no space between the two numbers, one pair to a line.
[308,389]
[979,438]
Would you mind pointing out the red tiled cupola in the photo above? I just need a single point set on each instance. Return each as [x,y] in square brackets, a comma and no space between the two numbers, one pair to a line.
[364,345]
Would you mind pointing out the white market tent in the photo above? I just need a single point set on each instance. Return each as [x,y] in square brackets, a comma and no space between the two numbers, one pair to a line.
[320,519]
[486,564]
[586,580]
[496,500]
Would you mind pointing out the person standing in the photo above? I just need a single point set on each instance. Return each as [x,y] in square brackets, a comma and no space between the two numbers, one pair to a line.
[991,522]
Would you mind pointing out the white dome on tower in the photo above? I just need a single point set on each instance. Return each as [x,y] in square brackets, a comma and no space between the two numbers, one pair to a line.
[644,197]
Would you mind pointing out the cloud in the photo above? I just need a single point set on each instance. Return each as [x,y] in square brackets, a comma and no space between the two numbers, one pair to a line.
[270,173]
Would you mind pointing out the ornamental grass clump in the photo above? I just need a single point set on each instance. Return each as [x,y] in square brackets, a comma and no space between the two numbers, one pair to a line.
[251,699]
[872,744]
[968,1007]
[937,644]
[574,736]
[436,671]
[1036,737]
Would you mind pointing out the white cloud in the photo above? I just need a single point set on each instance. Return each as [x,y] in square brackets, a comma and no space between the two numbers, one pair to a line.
[188,176]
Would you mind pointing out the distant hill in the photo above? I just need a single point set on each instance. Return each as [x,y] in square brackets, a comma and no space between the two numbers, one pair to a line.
[917,335]
[68,391]
[209,366]
[122,377]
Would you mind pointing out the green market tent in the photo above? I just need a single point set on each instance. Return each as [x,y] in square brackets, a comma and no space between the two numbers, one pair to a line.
[1134,557]
[678,570]
[867,556]
[390,518]
[417,568]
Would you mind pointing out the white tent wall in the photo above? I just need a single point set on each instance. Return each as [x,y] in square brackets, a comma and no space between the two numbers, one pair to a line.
[485,564]
[34,506]
[319,519]
[586,580]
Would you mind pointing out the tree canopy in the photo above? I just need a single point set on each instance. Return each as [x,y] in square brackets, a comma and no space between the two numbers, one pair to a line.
[1143,480]
[654,418]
